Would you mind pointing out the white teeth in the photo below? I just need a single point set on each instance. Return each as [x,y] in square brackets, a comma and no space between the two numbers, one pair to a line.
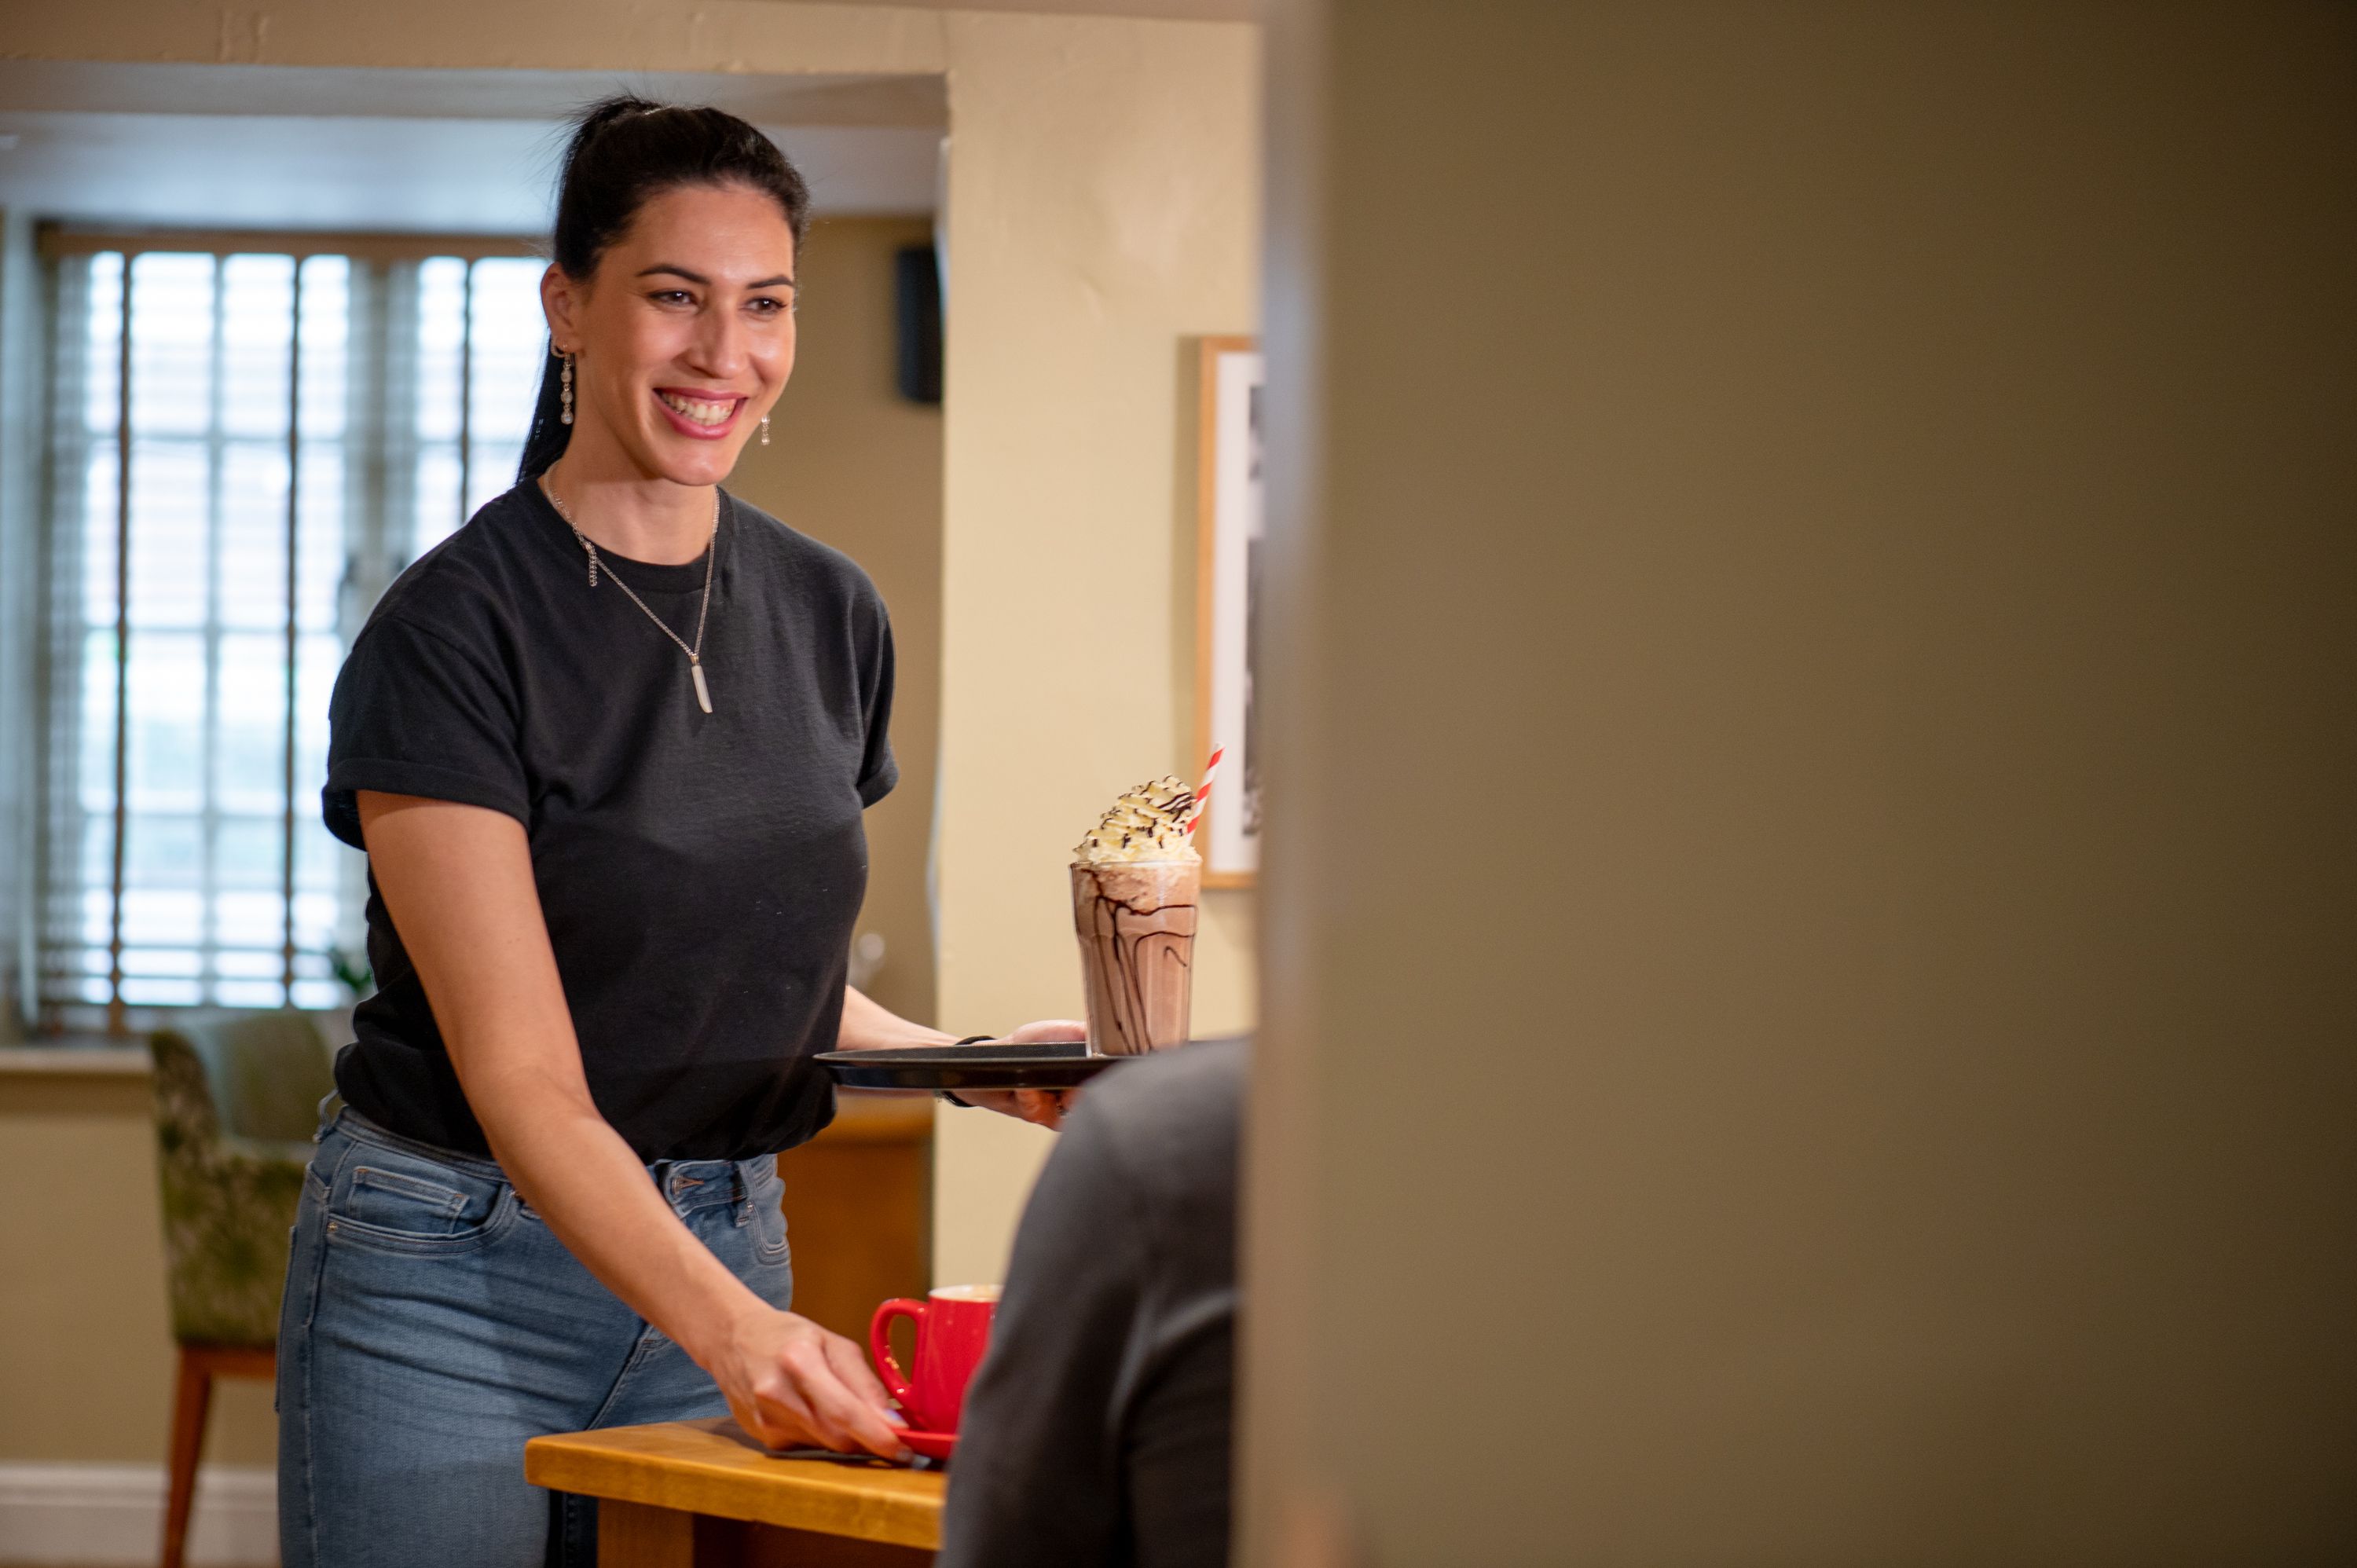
[698,409]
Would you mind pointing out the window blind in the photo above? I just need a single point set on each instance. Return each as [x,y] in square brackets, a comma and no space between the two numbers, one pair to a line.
[296,422]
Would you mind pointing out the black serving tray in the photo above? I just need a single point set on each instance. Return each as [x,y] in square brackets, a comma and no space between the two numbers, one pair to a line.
[993,1063]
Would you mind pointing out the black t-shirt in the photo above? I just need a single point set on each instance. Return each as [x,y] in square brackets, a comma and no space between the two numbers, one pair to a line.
[699,872]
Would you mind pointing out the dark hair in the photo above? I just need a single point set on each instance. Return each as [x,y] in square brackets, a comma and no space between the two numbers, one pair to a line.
[626,151]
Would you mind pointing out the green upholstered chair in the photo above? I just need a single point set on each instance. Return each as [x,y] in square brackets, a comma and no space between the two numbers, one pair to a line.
[236,1103]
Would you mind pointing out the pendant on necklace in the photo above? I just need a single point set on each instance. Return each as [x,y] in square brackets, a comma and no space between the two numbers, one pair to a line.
[702,692]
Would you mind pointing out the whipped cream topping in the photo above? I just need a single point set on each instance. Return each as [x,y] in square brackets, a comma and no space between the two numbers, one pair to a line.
[1149,822]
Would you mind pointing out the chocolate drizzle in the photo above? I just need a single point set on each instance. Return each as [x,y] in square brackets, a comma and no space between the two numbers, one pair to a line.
[1135,920]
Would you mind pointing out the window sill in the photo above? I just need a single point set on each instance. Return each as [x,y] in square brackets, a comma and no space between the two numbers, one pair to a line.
[94,1057]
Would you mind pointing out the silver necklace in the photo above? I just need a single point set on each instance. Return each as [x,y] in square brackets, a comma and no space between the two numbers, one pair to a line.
[711,554]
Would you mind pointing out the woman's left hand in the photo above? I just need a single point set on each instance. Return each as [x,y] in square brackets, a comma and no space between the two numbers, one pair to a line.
[1042,1107]
[867,1026]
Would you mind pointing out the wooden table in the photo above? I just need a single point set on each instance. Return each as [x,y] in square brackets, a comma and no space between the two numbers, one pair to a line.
[702,1493]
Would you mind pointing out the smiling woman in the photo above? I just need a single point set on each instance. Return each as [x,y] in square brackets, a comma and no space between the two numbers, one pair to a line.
[670,311]
[612,910]
[709,346]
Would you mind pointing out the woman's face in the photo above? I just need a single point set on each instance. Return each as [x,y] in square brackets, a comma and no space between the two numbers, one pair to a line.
[685,333]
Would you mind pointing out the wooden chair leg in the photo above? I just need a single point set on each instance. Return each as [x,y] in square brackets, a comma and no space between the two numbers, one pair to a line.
[192,1399]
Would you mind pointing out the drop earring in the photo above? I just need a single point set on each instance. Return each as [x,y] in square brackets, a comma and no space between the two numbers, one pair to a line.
[765,430]
[564,386]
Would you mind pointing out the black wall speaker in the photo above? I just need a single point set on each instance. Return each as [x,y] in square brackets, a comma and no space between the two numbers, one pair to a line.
[916,287]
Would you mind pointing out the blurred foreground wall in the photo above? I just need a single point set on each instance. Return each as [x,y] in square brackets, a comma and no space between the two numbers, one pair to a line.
[1809,984]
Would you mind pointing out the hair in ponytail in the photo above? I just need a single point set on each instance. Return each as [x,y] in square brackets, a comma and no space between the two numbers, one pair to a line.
[626,151]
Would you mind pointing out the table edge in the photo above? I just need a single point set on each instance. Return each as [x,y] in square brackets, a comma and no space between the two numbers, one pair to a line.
[593,1469]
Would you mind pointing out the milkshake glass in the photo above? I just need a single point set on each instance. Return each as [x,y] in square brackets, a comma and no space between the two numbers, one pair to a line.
[1136,890]
[1135,920]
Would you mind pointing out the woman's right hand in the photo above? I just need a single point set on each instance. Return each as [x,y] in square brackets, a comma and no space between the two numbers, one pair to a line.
[794,1385]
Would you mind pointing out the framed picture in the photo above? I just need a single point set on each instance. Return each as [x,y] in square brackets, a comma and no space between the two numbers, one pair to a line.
[1228,643]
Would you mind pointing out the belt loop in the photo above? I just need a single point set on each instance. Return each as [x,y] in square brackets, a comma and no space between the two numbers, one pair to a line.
[744,1193]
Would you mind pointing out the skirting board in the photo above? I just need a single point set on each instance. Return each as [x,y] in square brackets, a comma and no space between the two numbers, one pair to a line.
[109,1514]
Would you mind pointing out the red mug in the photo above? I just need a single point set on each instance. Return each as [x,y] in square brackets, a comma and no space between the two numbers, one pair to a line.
[952,1331]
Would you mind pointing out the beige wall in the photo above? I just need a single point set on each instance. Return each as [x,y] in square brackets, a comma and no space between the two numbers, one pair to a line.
[85,1334]
[853,463]
[1830,528]
[1102,205]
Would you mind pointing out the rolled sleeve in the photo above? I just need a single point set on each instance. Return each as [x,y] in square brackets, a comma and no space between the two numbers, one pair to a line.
[414,713]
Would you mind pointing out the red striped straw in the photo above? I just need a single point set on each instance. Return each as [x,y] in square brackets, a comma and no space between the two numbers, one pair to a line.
[1203,791]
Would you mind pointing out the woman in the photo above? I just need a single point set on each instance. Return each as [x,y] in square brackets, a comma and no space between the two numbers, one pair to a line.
[606,748]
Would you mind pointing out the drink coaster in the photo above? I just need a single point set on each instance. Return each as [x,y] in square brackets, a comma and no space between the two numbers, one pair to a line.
[994,1064]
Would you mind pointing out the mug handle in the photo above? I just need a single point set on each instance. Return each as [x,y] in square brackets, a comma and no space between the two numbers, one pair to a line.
[880,1343]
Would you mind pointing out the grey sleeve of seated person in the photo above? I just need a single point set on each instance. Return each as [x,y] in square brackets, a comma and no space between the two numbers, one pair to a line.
[1037,1482]
[1098,1429]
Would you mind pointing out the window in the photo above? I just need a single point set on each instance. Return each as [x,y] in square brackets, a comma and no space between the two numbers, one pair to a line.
[298,422]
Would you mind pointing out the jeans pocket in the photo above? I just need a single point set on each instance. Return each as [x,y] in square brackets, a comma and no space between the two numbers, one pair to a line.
[404,1202]
[394,1201]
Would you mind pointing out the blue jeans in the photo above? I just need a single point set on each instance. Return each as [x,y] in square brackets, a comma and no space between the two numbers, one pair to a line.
[433,1323]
